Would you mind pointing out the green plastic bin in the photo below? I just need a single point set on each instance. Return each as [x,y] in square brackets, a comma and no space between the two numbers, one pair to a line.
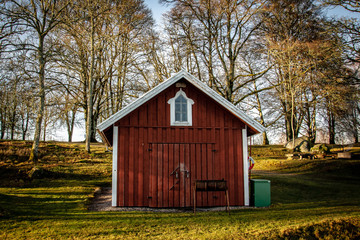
[260,193]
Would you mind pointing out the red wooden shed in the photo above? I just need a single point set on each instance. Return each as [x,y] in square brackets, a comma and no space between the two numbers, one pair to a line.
[178,132]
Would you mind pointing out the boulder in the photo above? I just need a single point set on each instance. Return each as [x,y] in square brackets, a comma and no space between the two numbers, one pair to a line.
[320,148]
[301,144]
[344,155]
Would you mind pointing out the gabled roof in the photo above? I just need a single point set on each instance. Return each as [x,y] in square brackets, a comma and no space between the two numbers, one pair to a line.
[169,82]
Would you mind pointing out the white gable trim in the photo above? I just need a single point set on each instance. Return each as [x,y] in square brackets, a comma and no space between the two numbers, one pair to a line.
[164,85]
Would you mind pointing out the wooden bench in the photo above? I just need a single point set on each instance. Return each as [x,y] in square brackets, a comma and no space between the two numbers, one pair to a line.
[211,186]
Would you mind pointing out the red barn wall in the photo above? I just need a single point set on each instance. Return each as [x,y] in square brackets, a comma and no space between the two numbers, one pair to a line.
[150,150]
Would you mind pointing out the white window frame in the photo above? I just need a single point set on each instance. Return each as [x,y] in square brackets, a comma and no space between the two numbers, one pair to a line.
[189,103]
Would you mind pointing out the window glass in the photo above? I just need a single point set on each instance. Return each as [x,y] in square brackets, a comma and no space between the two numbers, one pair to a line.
[180,109]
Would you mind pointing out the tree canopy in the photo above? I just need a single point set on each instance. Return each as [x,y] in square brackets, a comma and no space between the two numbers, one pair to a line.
[75,63]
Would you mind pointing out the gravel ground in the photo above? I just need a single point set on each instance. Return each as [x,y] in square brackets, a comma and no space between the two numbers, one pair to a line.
[102,202]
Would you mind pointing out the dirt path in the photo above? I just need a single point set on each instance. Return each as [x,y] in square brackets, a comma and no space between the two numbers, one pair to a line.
[101,200]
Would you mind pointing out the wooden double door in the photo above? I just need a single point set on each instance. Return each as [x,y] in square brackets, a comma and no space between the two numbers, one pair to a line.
[173,169]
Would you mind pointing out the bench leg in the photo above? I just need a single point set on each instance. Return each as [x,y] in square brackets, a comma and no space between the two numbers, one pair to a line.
[227,201]
[194,200]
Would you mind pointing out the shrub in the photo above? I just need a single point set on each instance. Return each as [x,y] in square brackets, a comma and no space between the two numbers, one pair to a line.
[331,230]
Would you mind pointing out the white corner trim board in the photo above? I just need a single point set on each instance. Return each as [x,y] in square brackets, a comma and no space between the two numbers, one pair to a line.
[114,166]
[246,167]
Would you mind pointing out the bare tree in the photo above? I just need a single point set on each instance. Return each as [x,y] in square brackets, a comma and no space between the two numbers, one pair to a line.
[100,51]
[293,33]
[39,17]
[216,38]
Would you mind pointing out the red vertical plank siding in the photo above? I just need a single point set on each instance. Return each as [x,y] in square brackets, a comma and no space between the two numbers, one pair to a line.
[192,169]
[222,151]
[154,174]
[181,179]
[231,167]
[209,172]
[204,172]
[209,149]
[121,168]
[167,109]
[226,160]
[140,173]
[131,160]
[166,174]
[198,168]
[152,113]
[160,152]
[172,179]
[176,180]
[236,157]
[147,167]
[142,191]
[160,114]
[126,167]
[187,175]
[137,149]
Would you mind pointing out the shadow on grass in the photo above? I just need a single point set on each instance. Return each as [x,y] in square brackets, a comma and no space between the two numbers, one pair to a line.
[36,205]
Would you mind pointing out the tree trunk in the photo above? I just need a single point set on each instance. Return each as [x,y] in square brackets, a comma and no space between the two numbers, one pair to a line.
[34,154]
[265,138]
[44,128]
[24,135]
[310,117]
[70,122]
[13,121]
[71,129]
[355,126]
[331,125]
[70,133]
[90,90]
[261,115]
[25,125]
[356,136]
[289,133]
[2,131]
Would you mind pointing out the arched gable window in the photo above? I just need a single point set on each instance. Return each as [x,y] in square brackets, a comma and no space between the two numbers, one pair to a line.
[180,109]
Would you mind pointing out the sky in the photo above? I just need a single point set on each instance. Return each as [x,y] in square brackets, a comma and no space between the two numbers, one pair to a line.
[341,12]
[157,9]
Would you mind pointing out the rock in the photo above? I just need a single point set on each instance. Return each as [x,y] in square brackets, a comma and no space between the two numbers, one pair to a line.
[320,148]
[302,144]
[344,155]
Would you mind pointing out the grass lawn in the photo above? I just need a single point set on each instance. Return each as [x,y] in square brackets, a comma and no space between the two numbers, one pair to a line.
[311,199]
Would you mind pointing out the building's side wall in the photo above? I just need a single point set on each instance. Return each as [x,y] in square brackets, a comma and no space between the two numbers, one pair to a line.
[149,125]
